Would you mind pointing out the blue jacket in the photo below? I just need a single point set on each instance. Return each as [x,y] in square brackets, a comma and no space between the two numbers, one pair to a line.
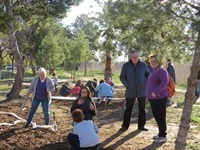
[104,89]
[134,78]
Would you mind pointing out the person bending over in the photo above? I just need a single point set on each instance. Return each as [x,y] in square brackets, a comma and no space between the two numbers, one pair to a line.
[84,136]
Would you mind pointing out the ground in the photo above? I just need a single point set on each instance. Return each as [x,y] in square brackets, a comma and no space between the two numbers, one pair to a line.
[109,121]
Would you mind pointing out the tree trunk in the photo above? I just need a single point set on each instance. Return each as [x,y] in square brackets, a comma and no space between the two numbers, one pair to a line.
[1,57]
[85,68]
[31,63]
[189,99]
[74,72]
[15,91]
[108,70]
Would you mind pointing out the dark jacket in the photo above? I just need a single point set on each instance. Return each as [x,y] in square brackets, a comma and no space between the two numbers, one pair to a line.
[171,71]
[198,75]
[85,107]
[65,91]
[134,78]
[91,85]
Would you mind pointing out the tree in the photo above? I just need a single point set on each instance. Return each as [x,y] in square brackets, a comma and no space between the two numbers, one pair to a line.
[23,10]
[50,54]
[15,51]
[4,48]
[86,24]
[189,12]
[166,28]
[78,51]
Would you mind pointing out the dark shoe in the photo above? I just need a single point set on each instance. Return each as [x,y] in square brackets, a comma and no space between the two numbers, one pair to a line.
[143,129]
[123,129]
[27,125]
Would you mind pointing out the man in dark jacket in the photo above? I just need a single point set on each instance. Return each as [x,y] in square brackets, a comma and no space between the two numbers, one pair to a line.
[134,75]
[197,90]
[92,84]
[171,70]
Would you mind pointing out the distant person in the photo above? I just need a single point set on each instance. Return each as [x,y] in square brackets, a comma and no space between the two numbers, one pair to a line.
[96,84]
[149,66]
[92,84]
[55,81]
[171,71]
[157,95]
[197,90]
[85,103]
[41,88]
[75,90]
[80,83]
[134,76]
[109,81]
[65,90]
[84,134]
[104,90]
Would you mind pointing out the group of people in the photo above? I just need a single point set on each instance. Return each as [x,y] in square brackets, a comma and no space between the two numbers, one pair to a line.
[140,84]
[83,110]
[105,88]
[143,83]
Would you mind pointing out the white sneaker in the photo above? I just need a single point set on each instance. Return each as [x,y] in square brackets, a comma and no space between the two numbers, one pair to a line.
[160,140]
[155,136]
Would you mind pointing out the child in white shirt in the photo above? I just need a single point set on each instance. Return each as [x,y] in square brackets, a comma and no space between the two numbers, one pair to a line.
[84,134]
[55,81]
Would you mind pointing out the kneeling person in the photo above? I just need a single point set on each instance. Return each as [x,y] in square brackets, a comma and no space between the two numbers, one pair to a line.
[84,134]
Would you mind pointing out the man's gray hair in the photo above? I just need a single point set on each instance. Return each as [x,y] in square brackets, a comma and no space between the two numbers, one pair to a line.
[132,52]
[41,69]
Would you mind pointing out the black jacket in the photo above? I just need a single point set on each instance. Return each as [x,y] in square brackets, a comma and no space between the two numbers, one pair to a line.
[85,107]
[134,78]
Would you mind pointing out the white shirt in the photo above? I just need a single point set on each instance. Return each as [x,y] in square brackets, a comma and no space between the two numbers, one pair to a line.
[87,133]
[55,80]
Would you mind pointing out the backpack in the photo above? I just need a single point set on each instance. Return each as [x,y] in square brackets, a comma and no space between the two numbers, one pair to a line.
[170,88]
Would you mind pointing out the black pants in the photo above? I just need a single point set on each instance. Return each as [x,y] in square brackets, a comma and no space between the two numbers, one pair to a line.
[56,88]
[128,111]
[158,107]
[75,143]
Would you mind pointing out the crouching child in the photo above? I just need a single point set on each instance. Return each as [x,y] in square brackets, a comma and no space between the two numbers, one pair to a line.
[84,136]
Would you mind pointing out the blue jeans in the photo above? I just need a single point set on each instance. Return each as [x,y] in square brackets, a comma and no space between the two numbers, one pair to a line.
[45,109]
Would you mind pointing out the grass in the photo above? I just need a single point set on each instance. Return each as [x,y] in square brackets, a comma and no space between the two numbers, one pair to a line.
[180,86]
[195,118]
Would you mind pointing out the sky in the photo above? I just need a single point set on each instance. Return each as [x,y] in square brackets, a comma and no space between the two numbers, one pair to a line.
[87,7]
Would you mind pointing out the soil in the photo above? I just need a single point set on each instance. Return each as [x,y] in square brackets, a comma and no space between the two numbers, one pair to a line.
[109,120]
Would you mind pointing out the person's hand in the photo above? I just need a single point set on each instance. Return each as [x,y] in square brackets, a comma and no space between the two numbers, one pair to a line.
[81,101]
[153,94]
[26,98]
[48,92]
[91,106]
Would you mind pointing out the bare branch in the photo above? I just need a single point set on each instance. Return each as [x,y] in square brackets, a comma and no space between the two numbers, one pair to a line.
[183,17]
